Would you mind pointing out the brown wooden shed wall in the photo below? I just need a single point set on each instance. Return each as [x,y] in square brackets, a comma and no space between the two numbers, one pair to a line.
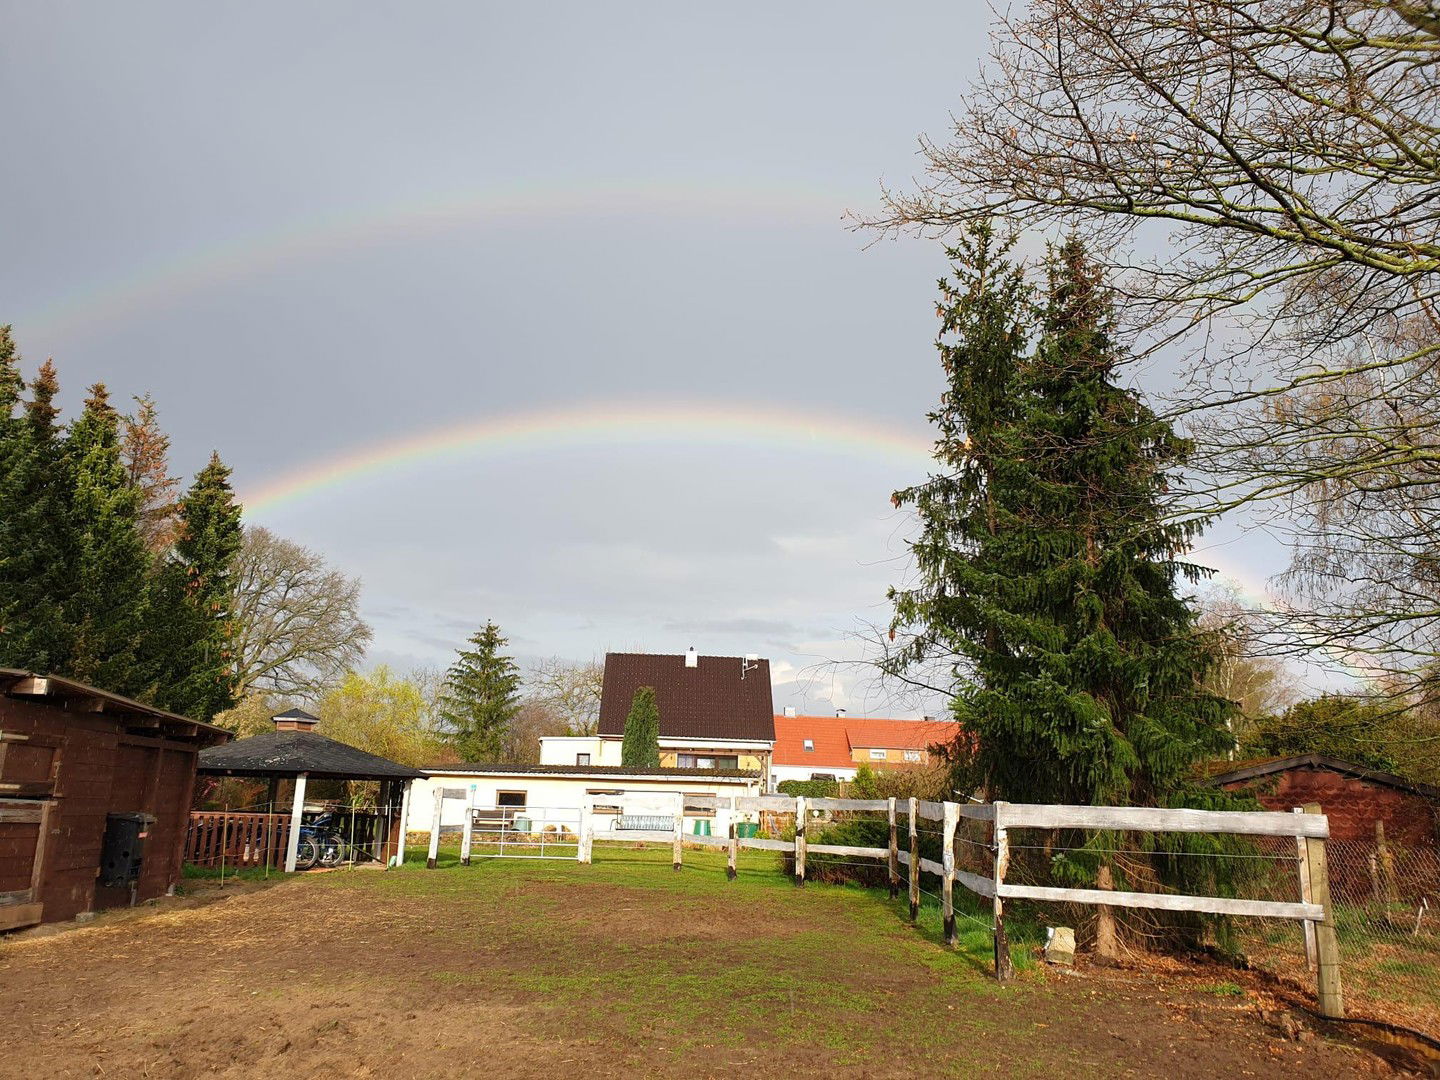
[102,769]
[1352,804]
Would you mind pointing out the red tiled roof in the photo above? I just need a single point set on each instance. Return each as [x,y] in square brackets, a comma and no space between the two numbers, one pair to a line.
[712,700]
[832,746]
[836,736]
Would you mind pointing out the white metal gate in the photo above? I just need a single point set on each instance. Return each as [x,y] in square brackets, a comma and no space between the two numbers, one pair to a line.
[520,832]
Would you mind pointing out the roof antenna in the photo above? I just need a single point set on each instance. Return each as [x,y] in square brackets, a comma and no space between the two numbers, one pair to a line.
[749,663]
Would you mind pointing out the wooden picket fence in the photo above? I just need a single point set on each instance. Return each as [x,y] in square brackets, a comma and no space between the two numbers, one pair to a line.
[236,839]
[1309,830]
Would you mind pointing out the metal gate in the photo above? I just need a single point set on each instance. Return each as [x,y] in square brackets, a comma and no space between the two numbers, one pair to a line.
[521,832]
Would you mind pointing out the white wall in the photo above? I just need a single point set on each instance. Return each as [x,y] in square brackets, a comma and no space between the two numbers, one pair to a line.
[559,797]
[805,772]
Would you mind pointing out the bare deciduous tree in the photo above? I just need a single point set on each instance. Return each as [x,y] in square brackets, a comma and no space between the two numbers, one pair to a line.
[570,690]
[298,625]
[1264,176]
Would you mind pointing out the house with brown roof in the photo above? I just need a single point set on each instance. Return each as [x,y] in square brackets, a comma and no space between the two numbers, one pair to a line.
[716,713]
[834,747]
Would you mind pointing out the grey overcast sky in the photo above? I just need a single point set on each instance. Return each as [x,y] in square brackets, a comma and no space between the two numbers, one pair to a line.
[606,240]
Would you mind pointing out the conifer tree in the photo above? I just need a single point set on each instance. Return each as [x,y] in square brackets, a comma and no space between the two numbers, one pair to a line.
[640,747]
[481,696]
[145,451]
[37,541]
[1048,570]
[190,644]
[107,605]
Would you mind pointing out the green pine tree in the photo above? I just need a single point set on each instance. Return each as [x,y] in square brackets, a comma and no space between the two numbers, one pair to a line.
[640,748]
[190,643]
[107,605]
[37,535]
[1048,571]
[481,696]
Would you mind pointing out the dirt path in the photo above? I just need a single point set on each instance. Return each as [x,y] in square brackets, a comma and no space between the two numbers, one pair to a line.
[539,972]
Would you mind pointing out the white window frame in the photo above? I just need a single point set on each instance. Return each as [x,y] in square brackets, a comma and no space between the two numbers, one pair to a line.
[879,755]
[914,755]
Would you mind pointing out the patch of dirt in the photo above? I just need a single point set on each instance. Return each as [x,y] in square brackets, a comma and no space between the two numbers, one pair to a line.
[372,976]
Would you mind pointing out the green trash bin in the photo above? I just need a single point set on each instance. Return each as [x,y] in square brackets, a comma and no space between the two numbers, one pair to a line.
[747,829]
[702,826]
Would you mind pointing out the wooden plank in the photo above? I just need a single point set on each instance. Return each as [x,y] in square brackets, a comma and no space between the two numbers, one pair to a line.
[930,866]
[981,886]
[1152,819]
[802,820]
[977,811]
[894,850]
[856,805]
[842,849]
[20,915]
[947,873]
[17,896]
[1306,897]
[732,856]
[780,803]
[763,844]
[1004,966]
[31,815]
[1214,905]
[679,828]
[932,811]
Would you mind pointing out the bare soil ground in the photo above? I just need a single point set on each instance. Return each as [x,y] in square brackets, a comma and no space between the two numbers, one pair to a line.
[621,969]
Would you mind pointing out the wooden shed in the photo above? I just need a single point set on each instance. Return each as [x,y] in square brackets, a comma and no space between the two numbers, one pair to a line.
[88,777]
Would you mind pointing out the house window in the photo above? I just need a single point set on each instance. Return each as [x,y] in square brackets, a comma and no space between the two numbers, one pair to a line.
[877,755]
[510,798]
[699,804]
[606,807]
[810,745]
[582,759]
[912,755]
[706,761]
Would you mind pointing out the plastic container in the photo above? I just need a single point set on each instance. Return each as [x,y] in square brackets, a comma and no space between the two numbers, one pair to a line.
[702,826]
[747,828]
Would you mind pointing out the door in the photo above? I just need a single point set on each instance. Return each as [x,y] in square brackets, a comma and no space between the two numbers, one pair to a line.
[23,826]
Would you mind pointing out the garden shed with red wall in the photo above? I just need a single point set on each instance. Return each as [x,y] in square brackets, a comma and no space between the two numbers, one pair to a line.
[78,768]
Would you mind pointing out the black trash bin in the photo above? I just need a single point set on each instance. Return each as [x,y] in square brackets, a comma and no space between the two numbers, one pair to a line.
[123,851]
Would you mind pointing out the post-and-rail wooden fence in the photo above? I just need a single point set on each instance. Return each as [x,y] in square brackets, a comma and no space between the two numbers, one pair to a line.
[245,839]
[1309,829]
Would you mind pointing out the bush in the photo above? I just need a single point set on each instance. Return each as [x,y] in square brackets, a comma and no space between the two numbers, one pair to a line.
[858,832]
[811,789]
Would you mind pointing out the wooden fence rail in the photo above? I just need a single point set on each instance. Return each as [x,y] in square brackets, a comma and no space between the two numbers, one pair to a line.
[245,839]
[1310,829]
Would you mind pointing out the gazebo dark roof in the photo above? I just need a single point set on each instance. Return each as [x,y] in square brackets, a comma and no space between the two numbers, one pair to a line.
[296,714]
[290,753]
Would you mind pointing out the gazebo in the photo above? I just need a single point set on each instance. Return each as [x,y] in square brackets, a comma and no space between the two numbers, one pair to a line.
[294,751]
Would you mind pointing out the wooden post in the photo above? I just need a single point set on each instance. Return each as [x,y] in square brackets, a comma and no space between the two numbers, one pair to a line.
[1327,944]
[297,807]
[587,829]
[1389,890]
[679,828]
[894,851]
[733,858]
[224,841]
[800,816]
[1003,966]
[947,860]
[404,822]
[468,828]
[434,852]
[914,860]
[1306,897]
[270,828]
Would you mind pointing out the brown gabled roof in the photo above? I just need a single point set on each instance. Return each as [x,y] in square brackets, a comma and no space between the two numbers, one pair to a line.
[708,701]
[1220,773]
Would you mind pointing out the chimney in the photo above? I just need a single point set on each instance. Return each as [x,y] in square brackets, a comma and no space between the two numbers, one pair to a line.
[929,718]
[839,712]
[692,658]
[790,710]
[295,720]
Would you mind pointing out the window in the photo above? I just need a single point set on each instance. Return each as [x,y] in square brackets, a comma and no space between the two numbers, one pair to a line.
[810,745]
[606,807]
[582,759]
[706,761]
[912,755]
[510,798]
[877,755]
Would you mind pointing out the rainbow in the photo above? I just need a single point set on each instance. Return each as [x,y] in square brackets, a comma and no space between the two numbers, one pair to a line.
[325,235]
[601,424]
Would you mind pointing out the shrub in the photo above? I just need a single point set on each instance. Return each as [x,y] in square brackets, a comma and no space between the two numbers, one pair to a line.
[811,789]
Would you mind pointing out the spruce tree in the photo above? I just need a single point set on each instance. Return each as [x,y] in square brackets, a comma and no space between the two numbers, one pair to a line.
[145,451]
[190,643]
[481,696]
[640,747]
[37,535]
[1048,570]
[106,608]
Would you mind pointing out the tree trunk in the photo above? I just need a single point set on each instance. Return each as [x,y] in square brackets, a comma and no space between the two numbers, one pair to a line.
[1107,937]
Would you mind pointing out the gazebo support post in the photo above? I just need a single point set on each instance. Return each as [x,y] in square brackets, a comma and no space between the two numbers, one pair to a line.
[297,808]
[404,823]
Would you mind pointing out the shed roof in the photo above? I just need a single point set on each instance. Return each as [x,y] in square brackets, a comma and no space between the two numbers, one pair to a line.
[722,697]
[69,695]
[1220,773]
[290,753]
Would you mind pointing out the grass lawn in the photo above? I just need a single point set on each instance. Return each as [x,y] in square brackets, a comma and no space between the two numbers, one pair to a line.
[623,968]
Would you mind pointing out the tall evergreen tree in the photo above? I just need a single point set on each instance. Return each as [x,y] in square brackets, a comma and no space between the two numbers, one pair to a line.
[107,605]
[145,451]
[640,747]
[37,536]
[190,644]
[1047,568]
[481,696]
